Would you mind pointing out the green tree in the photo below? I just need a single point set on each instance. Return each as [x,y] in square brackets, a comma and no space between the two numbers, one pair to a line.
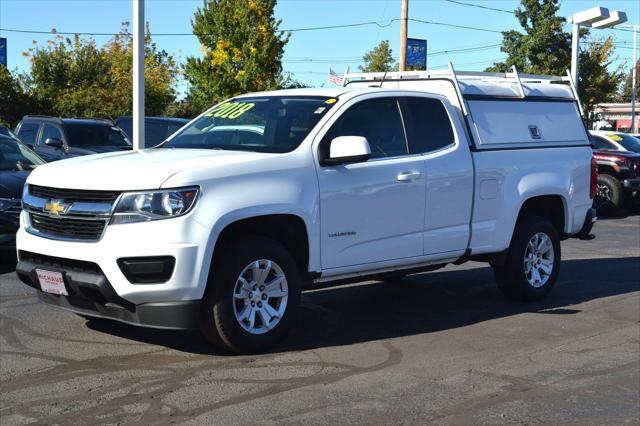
[15,101]
[74,77]
[597,84]
[241,47]
[379,59]
[628,85]
[545,48]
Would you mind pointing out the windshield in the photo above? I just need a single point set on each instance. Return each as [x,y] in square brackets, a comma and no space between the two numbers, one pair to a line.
[81,135]
[262,124]
[628,142]
[15,156]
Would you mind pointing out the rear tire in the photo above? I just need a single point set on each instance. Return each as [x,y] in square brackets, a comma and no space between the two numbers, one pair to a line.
[610,196]
[252,295]
[533,261]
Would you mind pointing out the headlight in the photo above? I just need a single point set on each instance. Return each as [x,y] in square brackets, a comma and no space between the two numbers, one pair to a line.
[135,207]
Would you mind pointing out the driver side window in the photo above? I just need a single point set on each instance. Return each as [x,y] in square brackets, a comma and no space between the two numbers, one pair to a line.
[378,120]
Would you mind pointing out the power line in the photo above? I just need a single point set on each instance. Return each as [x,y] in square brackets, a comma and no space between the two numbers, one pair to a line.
[328,27]
[480,7]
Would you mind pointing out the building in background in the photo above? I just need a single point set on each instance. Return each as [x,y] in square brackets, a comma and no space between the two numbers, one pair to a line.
[618,115]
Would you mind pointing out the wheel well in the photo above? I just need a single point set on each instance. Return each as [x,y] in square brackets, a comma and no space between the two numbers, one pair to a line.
[547,206]
[289,230]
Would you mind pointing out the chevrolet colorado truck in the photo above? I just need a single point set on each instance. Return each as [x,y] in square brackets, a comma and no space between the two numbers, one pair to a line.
[221,226]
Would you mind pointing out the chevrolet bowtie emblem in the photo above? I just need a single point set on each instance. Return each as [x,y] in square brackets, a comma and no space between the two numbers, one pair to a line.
[56,207]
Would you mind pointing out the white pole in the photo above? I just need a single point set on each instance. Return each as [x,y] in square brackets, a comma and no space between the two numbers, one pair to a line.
[575,48]
[634,125]
[138,74]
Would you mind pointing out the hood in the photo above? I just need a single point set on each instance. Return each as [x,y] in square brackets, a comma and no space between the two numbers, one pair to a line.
[132,170]
[11,183]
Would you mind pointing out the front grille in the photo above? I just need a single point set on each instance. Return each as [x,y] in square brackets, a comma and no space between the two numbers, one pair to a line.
[14,210]
[73,195]
[78,229]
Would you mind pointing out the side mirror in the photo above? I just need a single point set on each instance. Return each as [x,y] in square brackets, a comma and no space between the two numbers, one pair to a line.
[348,149]
[53,142]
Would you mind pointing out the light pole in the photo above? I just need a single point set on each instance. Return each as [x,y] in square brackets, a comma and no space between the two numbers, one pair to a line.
[634,77]
[138,74]
[596,17]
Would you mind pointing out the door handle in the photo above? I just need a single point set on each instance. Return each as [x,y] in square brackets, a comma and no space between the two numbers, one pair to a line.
[408,176]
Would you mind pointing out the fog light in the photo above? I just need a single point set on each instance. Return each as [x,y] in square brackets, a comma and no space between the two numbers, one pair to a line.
[147,270]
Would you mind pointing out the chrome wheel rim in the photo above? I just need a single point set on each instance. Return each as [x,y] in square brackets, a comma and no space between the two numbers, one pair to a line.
[260,296]
[604,192]
[538,260]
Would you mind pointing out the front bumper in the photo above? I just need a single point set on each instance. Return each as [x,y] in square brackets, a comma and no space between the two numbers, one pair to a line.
[91,294]
[632,184]
[182,238]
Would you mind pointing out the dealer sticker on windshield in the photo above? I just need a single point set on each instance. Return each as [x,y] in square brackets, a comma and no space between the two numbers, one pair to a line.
[51,282]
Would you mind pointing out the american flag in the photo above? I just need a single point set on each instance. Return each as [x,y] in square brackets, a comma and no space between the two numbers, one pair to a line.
[335,78]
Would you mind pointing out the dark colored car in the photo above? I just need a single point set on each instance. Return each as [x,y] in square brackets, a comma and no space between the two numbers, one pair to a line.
[16,162]
[618,179]
[156,129]
[59,138]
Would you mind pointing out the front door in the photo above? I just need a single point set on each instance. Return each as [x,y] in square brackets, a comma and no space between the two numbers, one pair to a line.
[372,211]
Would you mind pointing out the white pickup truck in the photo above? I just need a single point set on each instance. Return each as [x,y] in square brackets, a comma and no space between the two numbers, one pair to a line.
[222,225]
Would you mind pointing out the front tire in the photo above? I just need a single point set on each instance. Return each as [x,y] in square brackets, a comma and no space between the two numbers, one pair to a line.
[252,296]
[533,261]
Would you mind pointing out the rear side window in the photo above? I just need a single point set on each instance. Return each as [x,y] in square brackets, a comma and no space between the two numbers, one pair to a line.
[601,143]
[378,120]
[28,132]
[428,125]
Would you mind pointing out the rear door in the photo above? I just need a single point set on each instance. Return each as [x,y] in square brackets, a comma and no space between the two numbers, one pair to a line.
[449,172]
[28,133]
[374,210]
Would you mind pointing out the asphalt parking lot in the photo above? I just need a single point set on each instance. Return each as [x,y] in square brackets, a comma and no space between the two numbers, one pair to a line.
[444,347]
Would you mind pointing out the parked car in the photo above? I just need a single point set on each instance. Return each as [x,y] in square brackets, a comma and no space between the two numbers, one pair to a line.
[156,129]
[342,184]
[60,138]
[614,141]
[16,162]
[618,171]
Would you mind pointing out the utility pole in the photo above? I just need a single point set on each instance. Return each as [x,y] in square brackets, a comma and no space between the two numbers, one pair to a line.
[138,74]
[403,34]
[634,79]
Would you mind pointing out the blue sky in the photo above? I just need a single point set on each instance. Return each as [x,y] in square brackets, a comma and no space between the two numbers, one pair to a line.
[309,53]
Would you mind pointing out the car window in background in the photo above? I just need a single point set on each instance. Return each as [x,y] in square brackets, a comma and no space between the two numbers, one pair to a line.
[28,132]
[627,141]
[430,127]
[154,133]
[50,131]
[81,135]
[599,142]
[275,124]
[15,156]
[126,125]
